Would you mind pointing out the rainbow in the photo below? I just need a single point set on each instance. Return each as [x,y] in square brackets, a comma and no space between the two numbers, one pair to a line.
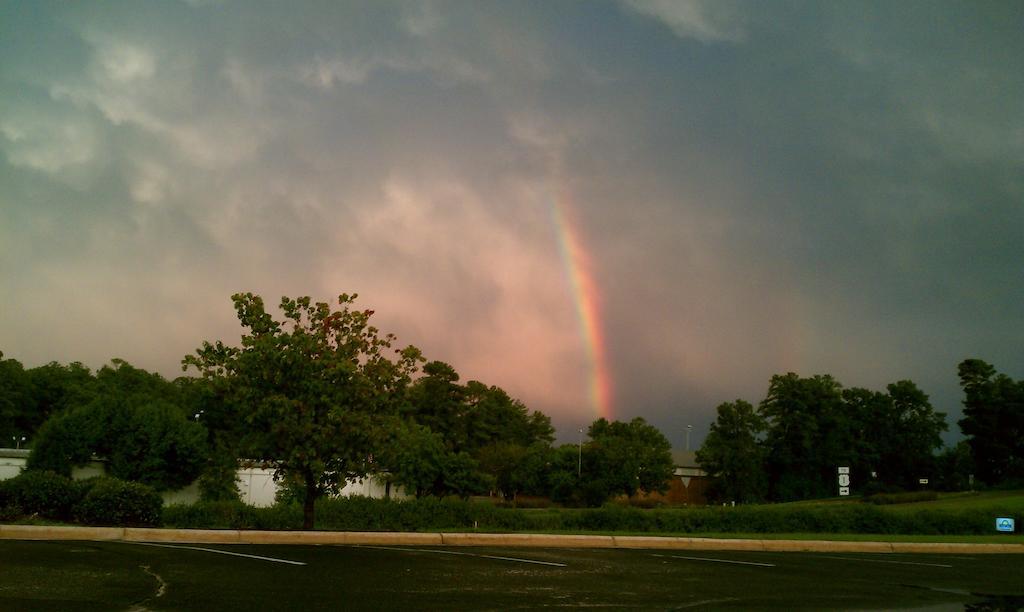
[579,273]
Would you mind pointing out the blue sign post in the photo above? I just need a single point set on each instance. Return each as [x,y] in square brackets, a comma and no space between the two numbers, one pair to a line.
[1004,524]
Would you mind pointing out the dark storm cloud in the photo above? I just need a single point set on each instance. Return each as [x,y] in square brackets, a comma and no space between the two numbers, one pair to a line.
[762,187]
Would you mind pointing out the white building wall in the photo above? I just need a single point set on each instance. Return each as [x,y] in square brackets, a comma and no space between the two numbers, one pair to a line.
[256,486]
[11,467]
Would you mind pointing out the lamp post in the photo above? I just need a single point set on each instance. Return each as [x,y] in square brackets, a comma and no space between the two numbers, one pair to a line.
[579,466]
[689,428]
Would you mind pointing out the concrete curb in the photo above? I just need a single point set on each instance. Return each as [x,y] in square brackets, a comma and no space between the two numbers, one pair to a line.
[234,536]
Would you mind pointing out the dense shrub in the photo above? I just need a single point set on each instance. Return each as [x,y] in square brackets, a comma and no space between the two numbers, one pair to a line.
[6,497]
[110,501]
[211,515]
[41,493]
[107,501]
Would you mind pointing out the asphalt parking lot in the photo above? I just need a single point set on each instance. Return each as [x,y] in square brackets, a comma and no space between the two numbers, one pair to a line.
[86,575]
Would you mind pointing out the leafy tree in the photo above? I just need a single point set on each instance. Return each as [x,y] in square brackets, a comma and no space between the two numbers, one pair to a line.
[624,458]
[312,390]
[494,416]
[65,440]
[496,431]
[993,422]
[916,434]
[156,446]
[436,401]
[732,453]
[954,467]
[15,394]
[893,435]
[872,436]
[415,458]
[144,437]
[806,437]
[563,476]
[418,459]
[515,468]
[29,397]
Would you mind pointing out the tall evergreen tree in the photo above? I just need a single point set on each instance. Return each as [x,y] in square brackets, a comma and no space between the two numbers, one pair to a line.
[733,455]
[993,422]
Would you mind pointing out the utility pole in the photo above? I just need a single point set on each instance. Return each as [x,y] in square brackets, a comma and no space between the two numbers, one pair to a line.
[579,467]
[689,428]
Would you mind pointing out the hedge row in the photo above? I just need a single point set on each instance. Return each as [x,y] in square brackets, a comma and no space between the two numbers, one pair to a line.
[96,501]
[107,501]
[428,514]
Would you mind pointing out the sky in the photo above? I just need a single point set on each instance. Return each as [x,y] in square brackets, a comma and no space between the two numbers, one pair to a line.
[621,209]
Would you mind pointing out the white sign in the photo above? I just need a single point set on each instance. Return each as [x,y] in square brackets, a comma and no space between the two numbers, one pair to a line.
[1004,524]
[844,480]
[923,481]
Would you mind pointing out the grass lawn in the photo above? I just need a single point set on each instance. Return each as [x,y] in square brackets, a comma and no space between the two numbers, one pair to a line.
[1005,500]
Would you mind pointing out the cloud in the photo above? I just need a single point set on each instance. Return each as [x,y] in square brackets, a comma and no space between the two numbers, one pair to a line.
[48,142]
[817,188]
[466,286]
[707,21]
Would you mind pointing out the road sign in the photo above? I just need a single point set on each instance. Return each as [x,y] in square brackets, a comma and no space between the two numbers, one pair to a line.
[922,481]
[844,479]
[1004,524]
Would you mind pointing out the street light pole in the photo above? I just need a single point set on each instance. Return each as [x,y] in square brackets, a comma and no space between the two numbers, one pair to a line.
[689,428]
[579,467]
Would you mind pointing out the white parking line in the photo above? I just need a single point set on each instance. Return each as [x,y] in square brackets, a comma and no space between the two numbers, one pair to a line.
[716,560]
[886,561]
[220,552]
[465,554]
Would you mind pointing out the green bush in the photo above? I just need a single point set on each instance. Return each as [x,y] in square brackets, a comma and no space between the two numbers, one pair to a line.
[110,501]
[6,496]
[431,513]
[41,493]
[211,515]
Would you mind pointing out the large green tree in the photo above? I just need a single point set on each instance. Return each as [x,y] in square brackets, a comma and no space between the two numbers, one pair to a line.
[808,436]
[732,454]
[893,435]
[15,394]
[28,397]
[623,459]
[312,391]
[493,416]
[993,422]
[493,430]
[436,401]
[916,434]
[135,421]
[418,459]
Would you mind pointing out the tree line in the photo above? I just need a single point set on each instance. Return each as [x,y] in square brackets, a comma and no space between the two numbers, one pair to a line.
[790,446]
[322,397]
